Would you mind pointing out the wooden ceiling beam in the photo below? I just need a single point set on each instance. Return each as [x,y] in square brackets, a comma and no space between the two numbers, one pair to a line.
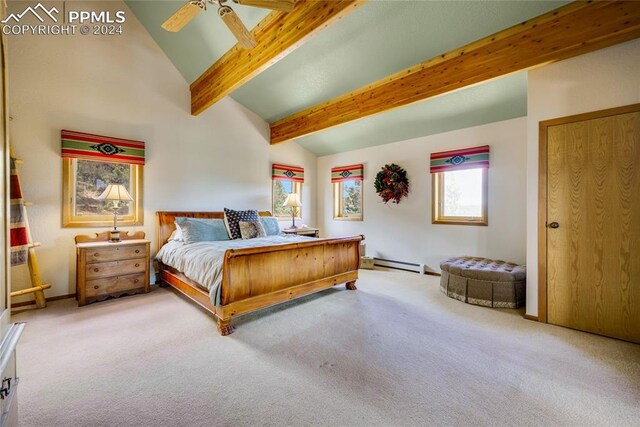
[571,30]
[278,34]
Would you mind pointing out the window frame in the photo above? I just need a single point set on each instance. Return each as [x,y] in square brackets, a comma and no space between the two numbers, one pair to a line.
[297,188]
[437,203]
[337,202]
[70,219]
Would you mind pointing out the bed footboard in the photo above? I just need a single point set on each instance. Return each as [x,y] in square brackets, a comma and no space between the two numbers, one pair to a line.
[255,278]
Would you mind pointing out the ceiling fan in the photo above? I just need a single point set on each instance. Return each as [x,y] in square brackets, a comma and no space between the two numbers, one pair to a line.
[190,9]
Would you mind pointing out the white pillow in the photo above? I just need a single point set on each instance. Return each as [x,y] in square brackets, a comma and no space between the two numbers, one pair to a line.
[176,236]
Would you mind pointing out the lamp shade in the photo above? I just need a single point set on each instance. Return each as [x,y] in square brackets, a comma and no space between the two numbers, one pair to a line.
[115,192]
[293,200]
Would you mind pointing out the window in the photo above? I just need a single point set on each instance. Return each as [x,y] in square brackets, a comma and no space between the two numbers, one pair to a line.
[281,189]
[347,200]
[347,192]
[460,197]
[84,180]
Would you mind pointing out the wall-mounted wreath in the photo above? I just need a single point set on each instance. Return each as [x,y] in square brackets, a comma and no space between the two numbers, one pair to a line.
[392,183]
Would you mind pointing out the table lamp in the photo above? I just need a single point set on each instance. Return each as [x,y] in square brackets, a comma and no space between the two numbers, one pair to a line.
[293,201]
[117,193]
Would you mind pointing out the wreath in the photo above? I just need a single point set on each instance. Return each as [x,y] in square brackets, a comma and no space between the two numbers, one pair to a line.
[392,183]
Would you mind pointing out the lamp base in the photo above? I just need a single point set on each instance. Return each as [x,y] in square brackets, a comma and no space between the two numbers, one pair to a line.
[114,236]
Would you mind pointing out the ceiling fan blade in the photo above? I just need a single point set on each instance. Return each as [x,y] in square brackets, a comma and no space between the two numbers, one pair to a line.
[236,26]
[182,16]
[283,5]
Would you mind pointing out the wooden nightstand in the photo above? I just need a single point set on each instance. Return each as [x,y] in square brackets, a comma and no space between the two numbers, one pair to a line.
[105,269]
[306,231]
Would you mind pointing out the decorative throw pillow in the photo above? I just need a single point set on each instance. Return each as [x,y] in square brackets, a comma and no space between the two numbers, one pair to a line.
[271,225]
[202,229]
[232,218]
[251,230]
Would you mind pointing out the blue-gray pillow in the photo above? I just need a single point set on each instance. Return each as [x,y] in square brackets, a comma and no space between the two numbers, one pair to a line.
[232,218]
[271,225]
[202,229]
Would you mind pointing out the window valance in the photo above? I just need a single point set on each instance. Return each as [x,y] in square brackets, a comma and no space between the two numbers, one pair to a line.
[289,173]
[78,145]
[347,173]
[467,158]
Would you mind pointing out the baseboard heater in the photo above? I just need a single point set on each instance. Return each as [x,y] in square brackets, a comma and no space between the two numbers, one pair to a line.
[399,265]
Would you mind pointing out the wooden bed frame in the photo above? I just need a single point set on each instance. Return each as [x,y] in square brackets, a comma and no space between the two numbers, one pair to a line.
[255,278]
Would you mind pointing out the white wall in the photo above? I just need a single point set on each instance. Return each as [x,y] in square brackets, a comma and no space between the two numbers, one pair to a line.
[599,80]
[404,232]
[124,86]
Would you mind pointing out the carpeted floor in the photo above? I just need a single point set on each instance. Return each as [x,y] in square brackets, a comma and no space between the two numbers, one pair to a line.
[395,352]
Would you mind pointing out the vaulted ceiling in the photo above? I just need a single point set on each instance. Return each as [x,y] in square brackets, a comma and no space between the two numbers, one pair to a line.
[375,40]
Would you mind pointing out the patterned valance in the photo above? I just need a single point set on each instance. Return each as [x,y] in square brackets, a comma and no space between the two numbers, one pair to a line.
[78,145]
[289,173]
[467,158]
[347,173]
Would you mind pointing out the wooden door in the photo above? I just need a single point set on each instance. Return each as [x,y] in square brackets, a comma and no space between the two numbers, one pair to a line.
[593,223]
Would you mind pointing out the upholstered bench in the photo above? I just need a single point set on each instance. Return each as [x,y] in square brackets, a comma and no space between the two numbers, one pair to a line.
[484,281]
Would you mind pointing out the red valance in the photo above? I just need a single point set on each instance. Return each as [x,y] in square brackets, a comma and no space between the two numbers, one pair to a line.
[347,173]
[466,158]
[78,145]
[289,173]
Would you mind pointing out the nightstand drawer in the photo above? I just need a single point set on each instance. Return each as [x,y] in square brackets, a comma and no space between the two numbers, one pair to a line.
[115,253]
[111,285]
[115,268]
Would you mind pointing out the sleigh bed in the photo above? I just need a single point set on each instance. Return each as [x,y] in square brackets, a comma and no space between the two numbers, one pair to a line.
[258,277]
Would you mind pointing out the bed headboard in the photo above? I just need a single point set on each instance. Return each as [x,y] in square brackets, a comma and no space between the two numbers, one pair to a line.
[166,222]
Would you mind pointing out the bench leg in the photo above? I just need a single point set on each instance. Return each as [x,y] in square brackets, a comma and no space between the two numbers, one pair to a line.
[224,326]
[351,285]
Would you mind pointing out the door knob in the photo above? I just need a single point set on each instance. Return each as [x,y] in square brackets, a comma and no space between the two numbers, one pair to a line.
[554,225]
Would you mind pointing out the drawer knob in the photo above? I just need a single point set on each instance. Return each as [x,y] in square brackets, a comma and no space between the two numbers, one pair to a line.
[136,280]
[96,254]
[96,269]
[137,251]
[137,265]
[96,287]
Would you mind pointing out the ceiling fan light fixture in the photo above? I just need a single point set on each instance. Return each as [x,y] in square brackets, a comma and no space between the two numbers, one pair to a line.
[224,10]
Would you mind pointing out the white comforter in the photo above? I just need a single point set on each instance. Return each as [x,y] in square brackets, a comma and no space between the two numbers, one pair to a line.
[202,261]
